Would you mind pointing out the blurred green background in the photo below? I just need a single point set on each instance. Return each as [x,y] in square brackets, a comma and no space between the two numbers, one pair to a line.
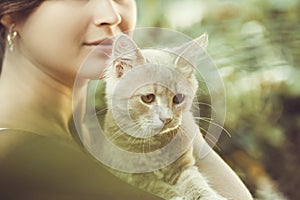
[255,44]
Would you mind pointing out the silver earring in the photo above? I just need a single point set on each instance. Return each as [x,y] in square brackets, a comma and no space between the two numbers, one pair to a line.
[10,38]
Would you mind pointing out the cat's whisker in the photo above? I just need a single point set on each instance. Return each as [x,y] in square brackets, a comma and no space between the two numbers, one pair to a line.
[101,112]
[144,142]
[125,126]
[183,132]
[115,135]
[204,104]
[136,129]
[132,142]
[204,118]
[145,135]
[120,132]
[149,144]
[209,120]
[209,137]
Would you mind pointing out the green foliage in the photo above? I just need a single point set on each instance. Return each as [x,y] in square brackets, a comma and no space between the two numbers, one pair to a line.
[255,45]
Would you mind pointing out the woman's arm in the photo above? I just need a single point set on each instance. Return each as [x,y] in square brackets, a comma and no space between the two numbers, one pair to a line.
[221,177]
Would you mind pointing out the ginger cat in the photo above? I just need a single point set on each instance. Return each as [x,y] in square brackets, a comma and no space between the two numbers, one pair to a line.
[149,94]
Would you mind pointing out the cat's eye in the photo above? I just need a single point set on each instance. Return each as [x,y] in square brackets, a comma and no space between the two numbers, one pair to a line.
[178,98]
[149,98]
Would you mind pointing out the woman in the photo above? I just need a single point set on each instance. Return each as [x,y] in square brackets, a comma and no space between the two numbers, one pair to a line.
[44,44]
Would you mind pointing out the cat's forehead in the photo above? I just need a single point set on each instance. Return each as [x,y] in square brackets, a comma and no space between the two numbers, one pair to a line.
[159,56]
[156,88]
[163,89]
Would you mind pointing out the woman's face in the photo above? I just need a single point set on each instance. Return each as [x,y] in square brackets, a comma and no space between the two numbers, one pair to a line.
[60,34]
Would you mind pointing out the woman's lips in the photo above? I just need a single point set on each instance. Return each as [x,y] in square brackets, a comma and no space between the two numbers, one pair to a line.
[97,60]
[104,46]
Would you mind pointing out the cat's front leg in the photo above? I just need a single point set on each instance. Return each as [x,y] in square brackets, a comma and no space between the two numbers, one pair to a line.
[177,198]
[194,186]
[199,198]
[151,183]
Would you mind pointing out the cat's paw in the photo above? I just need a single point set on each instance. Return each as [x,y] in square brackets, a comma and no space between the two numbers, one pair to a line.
[177,198]
[215,197]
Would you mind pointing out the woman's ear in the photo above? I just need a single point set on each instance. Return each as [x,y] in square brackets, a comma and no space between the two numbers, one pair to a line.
[7,21]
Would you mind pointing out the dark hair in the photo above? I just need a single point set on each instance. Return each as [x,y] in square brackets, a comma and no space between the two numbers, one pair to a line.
[18,10]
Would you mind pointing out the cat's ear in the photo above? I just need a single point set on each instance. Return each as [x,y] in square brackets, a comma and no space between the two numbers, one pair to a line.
[125,54]
[190,53]
[202,40]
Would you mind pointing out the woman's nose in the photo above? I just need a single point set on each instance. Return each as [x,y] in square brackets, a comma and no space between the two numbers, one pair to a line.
[106,13]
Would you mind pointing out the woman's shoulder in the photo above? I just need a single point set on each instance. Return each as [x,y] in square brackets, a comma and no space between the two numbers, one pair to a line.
[11,138]
[53,166]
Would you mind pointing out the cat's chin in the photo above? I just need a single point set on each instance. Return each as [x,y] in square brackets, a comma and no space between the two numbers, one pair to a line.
[160,131]
[167,130]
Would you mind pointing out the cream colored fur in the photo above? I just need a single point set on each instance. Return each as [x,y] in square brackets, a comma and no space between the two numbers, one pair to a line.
[181,179]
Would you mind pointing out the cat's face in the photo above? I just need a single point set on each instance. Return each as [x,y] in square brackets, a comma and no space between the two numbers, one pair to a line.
[156,109]
[164,90]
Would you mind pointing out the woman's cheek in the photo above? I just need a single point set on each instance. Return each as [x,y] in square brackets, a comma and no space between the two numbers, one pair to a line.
[129,16]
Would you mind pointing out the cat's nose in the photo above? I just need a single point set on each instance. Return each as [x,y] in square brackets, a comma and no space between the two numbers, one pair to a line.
[166,120]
